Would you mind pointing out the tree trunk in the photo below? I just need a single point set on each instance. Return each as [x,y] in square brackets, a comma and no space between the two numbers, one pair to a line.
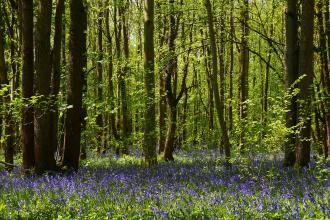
[324,69]
[8,123]
[218,104]
[231,66]
[162,93]
[244,72]
[99,69]
[27,85]
[44,155]
[149,142]
[56,74]
[171,73]
[76,75]
[126,121]
[326,79]
[291,75]
[305,85]
[170,135]
[117,23]
[112,116]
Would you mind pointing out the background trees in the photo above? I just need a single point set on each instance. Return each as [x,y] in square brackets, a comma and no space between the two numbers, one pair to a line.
[199,57]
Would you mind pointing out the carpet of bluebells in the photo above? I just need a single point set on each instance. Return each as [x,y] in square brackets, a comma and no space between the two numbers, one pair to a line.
[196,186]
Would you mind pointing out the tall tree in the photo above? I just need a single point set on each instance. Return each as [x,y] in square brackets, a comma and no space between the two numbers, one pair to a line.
[56,74]
[326,78]
[291,75]
[44,155]
[4,81]
[306,84]
[244,72]
[126,120]
[27,84]
[149,143]
[325,81]
[74,100]
[99,70]
[218,104]
[112,118]
[171,82]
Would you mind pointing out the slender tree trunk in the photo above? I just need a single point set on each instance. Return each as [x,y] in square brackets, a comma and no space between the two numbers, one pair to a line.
[99,69]
[291,75]
[222,71]
[306,68]
[326,78]
[8,123]
[27,84]
[76,75]
[162,93]
[218,104]
[231,66]
[149,142]
[324,69]
[171,73]
[126,120]
[244,74]
[162,112]
[44,155]
[112,116]
[56,74]
[117,23]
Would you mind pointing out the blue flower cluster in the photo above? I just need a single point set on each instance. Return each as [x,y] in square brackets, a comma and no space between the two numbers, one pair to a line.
[196,186]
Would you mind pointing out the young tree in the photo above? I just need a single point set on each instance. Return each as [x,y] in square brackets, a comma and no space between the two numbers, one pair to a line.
[27,84]
[56,74]
[149,143]
[171,82]
[218,104]
[244,72]
[99,70]
[74,100]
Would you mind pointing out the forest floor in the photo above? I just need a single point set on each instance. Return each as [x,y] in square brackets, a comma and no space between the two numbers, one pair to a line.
[195,186]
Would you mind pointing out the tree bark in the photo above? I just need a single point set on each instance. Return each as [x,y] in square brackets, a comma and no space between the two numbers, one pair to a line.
[112,116]
[44,155]
[231,66]
[77,64]
[8,123]
[244,74]
[324,69]
[171,73]
[126,120]
[99,70]
[27,84]
[305,85]
[56,74]
[218,104]
[291,75]
[150,140]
